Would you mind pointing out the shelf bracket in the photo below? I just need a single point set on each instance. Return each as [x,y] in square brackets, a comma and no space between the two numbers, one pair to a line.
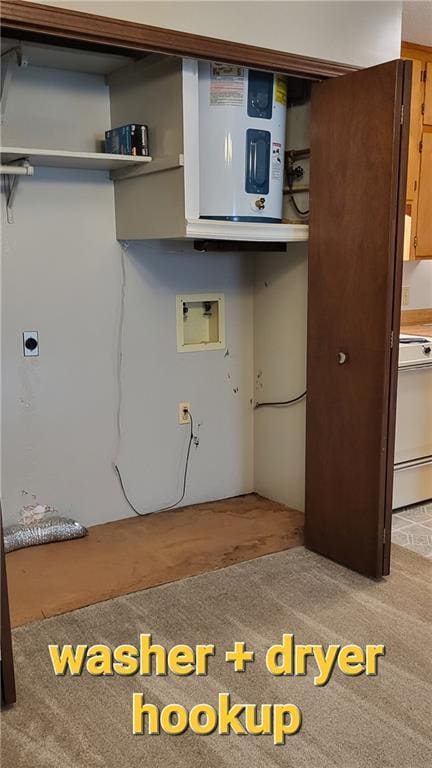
[12,173]
[10,60]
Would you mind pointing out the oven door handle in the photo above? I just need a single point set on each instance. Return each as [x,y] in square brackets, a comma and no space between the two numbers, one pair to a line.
[425,461]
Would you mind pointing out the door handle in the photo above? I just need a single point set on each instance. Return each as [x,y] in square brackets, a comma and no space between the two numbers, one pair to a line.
[343,357]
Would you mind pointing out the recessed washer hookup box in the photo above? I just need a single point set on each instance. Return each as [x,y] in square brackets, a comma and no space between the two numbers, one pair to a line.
[129,139]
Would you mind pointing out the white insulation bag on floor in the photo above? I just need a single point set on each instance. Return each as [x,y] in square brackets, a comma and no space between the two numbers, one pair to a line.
[49,528]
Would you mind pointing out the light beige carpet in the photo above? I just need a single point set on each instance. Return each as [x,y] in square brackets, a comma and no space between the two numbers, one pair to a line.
[373,722]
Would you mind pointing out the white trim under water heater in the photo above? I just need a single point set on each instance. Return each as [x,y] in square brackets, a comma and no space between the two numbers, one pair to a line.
[242,117]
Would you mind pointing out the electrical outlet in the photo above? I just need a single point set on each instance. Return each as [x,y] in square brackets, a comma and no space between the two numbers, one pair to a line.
[183,413]
[31,343]
[405,295]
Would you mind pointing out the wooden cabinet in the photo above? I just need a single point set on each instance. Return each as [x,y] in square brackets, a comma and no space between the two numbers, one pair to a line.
[419,182]
[427,119]
[423,243]
[415,134]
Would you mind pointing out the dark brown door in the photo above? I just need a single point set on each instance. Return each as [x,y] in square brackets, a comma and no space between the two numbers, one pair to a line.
[8,695]
[359,137]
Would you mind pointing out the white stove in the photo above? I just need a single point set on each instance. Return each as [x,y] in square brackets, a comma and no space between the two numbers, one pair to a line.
[414,350]
[413,451]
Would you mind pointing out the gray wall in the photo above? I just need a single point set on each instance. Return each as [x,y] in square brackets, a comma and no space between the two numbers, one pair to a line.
[280,315]
[156,377]
[417,276]
[363,33]
[62,276]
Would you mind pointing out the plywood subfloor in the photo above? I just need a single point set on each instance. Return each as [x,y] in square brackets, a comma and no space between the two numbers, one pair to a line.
[140,552]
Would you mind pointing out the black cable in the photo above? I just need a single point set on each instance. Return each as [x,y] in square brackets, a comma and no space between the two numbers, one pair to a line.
[283,402]
[163,509]
[297,209]
[291,192]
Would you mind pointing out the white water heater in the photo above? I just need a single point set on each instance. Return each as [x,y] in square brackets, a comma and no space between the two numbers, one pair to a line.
[242,116]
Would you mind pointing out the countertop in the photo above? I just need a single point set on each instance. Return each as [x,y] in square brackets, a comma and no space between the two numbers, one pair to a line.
[417,329]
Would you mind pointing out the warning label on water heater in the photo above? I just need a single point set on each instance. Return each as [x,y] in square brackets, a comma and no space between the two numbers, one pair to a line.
[280,91]
[227,85]
[276,160]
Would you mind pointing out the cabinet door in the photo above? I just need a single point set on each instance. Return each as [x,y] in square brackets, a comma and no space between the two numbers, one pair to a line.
[359,146]
[416,121]
[427,111]
[424,205]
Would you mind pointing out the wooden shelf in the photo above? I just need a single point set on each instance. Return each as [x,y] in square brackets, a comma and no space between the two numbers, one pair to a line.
[60,158]
[158,164]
